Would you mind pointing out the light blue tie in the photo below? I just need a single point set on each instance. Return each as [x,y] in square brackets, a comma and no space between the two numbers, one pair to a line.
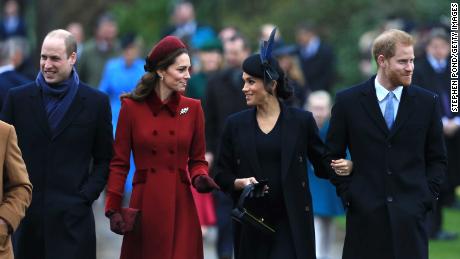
[389,110]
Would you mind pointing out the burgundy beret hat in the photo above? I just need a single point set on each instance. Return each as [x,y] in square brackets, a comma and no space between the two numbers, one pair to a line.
[162,49]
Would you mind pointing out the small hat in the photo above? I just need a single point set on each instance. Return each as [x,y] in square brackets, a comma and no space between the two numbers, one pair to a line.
[162,49]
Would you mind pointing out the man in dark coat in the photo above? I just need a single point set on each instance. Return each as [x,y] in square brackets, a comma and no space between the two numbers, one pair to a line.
[65,133]
[317,59]
[393,131]
[432,72]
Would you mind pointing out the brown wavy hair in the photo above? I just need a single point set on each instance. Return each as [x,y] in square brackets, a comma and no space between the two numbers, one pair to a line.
[150,79]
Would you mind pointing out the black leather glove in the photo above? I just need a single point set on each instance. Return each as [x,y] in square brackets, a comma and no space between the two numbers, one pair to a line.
[259,189]
[117,223]
[205,184]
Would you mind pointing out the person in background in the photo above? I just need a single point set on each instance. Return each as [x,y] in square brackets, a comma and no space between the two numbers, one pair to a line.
[78,32]
[211,62]
[165,132]
[393,131]
[224,97]
[65,133]
[187,28]
[317,58]
[15,191]
[97,51]
[290,63]
[9,77]
[432,72]
[326,203]
[121,75]
[12,24]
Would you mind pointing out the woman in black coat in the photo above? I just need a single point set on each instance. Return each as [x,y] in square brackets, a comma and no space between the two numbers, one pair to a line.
[272,142]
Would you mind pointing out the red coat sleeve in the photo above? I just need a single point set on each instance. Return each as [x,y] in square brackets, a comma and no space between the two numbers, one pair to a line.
[197,164]
[119,166]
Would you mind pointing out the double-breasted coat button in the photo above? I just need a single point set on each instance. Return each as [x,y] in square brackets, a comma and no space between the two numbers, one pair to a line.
[155,133]
[307,208]
[171,132]
[300,159]
[171,152]
[390,199]
[238,161]
[154,152]
[153,170]
[389,173]
[171,168]
[304,184]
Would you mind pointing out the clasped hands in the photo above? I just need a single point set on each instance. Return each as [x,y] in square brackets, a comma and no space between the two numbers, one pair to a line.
[342,167]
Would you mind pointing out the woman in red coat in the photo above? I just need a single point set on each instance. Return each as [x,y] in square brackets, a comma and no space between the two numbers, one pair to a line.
[165,132]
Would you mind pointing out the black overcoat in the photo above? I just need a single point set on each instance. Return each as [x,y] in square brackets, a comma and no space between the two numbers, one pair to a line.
[68,169]
[300,141]
[396,173]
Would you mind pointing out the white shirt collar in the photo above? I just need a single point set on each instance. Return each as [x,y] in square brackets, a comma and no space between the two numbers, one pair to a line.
[6,68]
[382,92]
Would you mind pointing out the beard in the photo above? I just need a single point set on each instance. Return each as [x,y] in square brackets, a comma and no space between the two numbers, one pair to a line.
[397,79]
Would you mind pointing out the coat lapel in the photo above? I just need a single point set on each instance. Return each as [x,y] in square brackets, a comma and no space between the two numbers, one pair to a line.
[38,109]
[371,106]
[289,131]
[406,106]
[249,137]
[74,109]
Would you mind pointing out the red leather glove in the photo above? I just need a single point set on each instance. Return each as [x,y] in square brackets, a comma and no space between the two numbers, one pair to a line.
[117,225]
[204,184]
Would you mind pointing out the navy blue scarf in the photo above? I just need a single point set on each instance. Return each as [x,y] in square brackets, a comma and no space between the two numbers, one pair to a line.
[58,97]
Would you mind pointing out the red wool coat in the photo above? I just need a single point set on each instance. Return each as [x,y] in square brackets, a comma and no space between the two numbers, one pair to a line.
[168,144]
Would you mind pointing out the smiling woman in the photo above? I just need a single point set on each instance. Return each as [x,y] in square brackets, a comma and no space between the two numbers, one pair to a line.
[269,145]
[165,131]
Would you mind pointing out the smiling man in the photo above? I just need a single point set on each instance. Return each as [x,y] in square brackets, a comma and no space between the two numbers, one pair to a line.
[393,131]
[65,133]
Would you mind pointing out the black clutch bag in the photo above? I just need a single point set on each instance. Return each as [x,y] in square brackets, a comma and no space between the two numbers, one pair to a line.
[245,217]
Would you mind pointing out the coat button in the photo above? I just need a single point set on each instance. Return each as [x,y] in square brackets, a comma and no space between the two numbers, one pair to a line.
[155,114]
[153,170]
[171,132]
[155,133]
[300,159]
[171,168]
[304,184]
[389,172]
[390,199]
[154,152]
[307,208]
[171,152]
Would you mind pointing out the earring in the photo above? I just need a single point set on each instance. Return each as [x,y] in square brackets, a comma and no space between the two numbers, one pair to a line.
[161,78]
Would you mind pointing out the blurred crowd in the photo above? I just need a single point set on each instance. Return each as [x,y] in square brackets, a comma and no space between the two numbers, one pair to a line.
[113,62]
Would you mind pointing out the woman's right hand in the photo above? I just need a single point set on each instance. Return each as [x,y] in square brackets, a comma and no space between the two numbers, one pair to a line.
[240,183]
[117,224]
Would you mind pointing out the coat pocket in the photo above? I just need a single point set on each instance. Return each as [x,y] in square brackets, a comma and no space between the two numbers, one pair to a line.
[139,179]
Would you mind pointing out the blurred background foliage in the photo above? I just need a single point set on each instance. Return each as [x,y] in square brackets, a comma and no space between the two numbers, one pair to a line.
[340,23]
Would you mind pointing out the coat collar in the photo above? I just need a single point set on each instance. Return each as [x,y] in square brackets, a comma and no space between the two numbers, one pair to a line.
[156,105]
[371,106]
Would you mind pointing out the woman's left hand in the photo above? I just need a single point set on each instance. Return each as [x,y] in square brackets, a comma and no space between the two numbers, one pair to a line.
[342,167]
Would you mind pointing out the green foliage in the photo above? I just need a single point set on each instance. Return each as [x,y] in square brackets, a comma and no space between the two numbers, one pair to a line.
[145,17]
[340,23]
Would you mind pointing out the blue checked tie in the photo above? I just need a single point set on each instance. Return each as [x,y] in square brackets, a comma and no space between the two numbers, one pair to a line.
[389,110]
